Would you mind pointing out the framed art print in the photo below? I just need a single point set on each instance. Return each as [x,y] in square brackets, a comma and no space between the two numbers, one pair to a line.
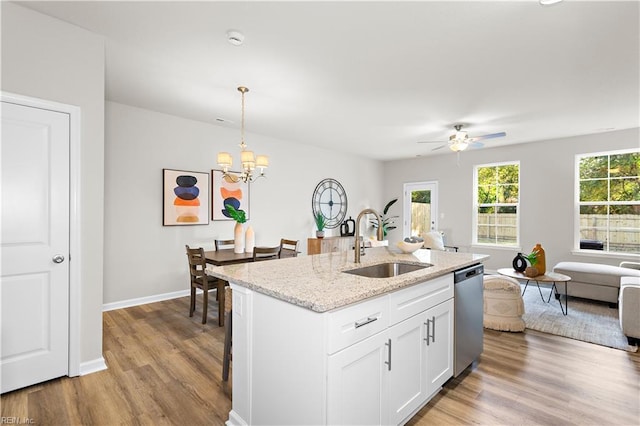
[227,190]
[185,197]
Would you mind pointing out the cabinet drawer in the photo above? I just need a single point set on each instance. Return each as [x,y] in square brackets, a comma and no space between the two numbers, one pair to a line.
[351,324]
[418,298]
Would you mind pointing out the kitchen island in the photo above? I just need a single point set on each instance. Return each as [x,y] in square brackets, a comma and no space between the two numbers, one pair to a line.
[315,345]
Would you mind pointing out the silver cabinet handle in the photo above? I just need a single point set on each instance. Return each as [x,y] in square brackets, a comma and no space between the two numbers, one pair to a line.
[433,336]
[369,320]
[389,359]
[431,332]
[58,258]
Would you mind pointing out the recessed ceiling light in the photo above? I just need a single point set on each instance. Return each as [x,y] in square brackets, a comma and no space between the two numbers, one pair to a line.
[223,120]
[235,37]
[549,2]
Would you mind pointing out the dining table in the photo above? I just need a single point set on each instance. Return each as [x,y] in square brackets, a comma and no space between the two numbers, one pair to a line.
[227,257]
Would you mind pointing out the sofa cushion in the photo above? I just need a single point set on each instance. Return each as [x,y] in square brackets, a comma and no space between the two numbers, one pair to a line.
[595,273]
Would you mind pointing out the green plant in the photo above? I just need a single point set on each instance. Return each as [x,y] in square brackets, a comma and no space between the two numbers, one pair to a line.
[320,223]
[387,221]
[532,257]
[238,215]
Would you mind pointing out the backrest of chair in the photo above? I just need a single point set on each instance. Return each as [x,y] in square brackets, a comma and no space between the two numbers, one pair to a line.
[224,244]
[266,253]
[288,248]
[197,264]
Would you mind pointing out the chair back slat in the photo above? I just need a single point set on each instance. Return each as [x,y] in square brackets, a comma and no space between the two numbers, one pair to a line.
[266,253]
[288,248]
[224,244]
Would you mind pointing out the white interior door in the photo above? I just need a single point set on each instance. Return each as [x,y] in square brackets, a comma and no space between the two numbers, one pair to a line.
[420,208]
[34,238]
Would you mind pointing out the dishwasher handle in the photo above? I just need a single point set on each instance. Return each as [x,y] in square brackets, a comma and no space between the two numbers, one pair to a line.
[468,273]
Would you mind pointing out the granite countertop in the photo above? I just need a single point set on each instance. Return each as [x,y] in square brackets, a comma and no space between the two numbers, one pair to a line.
[318,283]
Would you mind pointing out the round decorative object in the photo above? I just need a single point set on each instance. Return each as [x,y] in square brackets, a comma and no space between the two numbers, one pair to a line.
[519,263]
[409,247]
[330,200]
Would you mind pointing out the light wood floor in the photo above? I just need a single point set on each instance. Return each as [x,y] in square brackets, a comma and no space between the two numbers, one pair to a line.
[164,368]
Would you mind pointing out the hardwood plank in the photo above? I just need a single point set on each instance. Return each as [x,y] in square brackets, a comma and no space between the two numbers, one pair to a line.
[165,369]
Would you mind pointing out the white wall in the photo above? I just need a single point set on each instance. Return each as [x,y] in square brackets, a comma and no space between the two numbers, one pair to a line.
[46,58]
[546,190]
[144,258]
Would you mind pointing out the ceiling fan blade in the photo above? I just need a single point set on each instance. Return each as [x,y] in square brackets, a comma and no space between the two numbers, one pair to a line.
[490,136]
[439,147]
[431,142]
[475,145]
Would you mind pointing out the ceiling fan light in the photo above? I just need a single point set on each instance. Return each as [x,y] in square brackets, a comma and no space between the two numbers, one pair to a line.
[458,146]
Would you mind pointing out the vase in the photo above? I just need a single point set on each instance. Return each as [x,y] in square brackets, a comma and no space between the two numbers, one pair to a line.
[319,234]
[519,263]
[249,240]
[238,237]
[531,272]
[541,264]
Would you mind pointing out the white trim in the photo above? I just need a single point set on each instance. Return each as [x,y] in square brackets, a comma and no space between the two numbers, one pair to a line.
[144,300]
[606,254]
[75,213]
[474,213]
[93,366]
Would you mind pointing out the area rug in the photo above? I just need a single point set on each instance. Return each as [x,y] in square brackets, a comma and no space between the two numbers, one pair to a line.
[589,321]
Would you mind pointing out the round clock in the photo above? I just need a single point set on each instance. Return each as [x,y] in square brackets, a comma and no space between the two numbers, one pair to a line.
[330,200]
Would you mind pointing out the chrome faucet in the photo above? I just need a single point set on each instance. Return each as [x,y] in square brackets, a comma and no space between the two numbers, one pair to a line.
[358,244]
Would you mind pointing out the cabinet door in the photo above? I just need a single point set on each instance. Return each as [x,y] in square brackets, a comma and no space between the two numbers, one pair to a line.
[439,346]
[407,371]
[358,383]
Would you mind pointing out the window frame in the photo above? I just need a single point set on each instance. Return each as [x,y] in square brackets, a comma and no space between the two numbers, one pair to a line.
[577,204]
[476,205]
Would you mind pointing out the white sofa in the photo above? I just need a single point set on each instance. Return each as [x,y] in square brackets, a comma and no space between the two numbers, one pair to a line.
[595,281]
[629,305]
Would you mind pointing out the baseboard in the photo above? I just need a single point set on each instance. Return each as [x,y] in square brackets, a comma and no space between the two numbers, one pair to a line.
[92,366]
[144,300]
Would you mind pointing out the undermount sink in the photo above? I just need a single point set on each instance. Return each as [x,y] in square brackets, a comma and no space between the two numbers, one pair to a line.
[387,270]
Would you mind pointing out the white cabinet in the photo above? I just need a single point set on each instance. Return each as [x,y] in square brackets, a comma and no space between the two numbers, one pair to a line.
[439,352]
[374,362]
[357,382]
[387,377]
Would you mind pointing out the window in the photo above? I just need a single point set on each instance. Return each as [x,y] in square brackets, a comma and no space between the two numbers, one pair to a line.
[608,213]
[496,204]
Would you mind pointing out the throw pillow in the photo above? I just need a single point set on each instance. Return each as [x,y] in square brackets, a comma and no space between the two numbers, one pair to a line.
[433,240]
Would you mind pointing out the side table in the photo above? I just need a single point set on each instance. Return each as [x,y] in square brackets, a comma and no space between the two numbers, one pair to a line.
[549,277]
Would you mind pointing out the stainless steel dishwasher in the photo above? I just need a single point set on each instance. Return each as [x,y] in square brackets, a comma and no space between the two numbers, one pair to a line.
[468,308]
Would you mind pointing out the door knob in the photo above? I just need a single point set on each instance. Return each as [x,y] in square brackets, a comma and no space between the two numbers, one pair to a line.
[58,258]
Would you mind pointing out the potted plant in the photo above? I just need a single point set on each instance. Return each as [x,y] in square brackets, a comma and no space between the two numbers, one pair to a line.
[240,217]
[532,258]
[387,221]
[320,224]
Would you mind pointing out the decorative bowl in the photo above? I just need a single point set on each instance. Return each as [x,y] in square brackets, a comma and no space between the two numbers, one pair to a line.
[409,247]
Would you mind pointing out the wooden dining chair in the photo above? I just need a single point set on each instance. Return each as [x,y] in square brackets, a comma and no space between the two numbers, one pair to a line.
[288,248]
[226,356]
[266,253]
[206,283]
[224,244]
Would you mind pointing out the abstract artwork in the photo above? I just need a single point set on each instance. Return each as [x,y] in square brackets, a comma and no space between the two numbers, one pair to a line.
[185,197]
[228,190]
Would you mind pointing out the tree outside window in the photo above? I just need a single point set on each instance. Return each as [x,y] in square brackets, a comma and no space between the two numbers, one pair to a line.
[609,201]
[497,189]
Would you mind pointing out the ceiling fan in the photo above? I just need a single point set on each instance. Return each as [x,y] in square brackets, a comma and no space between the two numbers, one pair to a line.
[460,140]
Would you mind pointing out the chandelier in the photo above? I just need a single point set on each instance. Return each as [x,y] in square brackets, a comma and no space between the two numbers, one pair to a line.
[249,161]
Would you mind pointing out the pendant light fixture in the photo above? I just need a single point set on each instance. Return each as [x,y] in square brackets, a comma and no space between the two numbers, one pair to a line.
[248,160]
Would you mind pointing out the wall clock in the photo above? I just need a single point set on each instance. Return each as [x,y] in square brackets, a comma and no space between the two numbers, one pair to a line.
[330,200]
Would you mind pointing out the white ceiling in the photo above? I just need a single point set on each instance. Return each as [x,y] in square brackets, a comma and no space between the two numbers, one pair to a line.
[374,78]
